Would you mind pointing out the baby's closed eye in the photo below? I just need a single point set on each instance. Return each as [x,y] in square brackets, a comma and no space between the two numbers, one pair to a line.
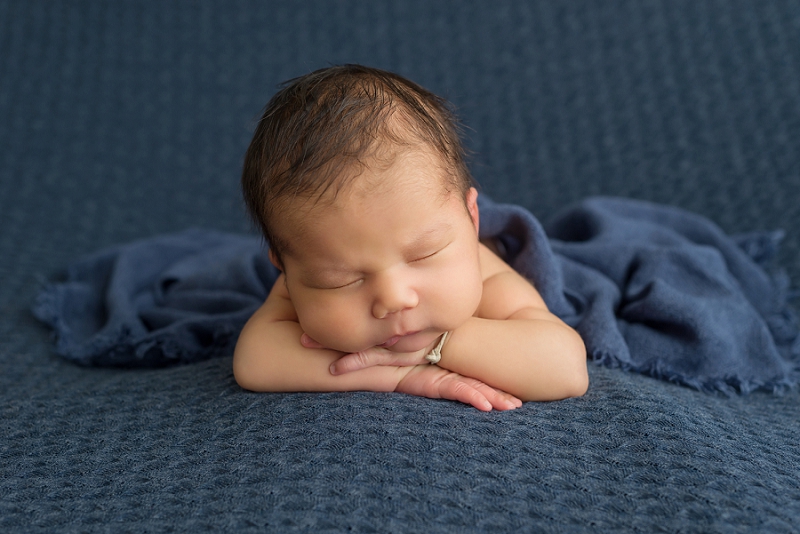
[421,256]
[330,280]
[339,285]
[417,260]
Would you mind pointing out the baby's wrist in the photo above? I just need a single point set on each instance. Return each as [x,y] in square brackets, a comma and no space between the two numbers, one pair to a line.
[404,372]
[435,354]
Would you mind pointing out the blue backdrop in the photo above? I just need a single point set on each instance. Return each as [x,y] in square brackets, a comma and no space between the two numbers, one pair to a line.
[122,120]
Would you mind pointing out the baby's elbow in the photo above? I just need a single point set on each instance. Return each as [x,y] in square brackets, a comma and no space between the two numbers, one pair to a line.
[578,385]
[574,375]
[248,369]
[243,373]
[572,383]
[562,375]
[578,382]
[254,377]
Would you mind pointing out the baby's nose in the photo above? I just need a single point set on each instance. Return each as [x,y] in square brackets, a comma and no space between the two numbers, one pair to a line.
[392,296]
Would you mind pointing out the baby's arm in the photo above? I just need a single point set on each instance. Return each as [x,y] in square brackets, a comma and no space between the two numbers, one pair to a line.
[269,357]
[512,342]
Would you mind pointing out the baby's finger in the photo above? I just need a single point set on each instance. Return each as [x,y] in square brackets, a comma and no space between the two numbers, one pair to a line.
[500,399]
[309,343]
[356,361]
[463,392]
[504,401]
[373,356]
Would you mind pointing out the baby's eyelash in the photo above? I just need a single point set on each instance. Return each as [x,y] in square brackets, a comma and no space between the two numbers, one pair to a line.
[424,257]
[428,256]
[344,285]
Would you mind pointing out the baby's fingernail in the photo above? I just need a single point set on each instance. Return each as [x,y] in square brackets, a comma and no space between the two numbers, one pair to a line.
[333,368]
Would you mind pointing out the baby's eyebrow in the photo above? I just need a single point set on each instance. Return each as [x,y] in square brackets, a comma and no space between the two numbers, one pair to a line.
[323,272]
[419,241]
[426,236]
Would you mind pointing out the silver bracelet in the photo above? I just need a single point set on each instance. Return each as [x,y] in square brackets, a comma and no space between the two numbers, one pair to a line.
[435,355]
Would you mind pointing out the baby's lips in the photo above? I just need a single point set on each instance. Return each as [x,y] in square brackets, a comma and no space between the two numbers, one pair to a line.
[394,339]
[389,342]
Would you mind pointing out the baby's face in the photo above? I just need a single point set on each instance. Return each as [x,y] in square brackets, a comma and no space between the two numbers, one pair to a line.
[393,263]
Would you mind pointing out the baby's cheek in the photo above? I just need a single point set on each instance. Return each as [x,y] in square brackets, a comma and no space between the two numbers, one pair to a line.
[335,327]
[461,293]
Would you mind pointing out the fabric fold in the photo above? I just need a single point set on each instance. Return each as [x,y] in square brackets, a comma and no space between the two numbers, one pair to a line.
[651,289]
[174,298]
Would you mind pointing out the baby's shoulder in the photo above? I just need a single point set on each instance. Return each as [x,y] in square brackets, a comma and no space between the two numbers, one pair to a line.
[491,263]
[278,306]
[505,291]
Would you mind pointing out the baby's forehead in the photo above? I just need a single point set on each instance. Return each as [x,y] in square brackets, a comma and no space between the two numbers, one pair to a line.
[403,173]
[408,180]
[427,169]
[382,168]
[342,235]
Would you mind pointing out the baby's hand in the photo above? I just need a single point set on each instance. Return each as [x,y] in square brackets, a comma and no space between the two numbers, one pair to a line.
[370,357]
[436,383]
[423,380]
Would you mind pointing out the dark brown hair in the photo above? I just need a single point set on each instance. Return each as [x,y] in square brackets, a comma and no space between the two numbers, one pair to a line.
[323,122]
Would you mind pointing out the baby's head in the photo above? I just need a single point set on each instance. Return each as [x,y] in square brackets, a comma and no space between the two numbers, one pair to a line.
[357,178]
[320,130]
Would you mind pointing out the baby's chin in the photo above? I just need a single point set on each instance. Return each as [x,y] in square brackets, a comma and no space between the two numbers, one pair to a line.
[347,346]
[401,344]
[412,342]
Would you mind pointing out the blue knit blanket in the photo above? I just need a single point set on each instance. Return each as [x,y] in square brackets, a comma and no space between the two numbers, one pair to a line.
[650,288]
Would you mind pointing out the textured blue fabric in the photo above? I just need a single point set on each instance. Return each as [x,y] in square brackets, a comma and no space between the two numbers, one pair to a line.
[125,120]
[177,298]
[650,288]
[659,290]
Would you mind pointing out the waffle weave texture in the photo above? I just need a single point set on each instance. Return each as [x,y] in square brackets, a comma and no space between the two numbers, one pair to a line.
[125,120]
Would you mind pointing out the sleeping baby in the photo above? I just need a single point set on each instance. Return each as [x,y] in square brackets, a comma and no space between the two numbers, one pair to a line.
[358,180]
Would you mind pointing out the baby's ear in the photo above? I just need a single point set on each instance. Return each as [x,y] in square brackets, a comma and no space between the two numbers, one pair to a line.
[273,258]
[472,207]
